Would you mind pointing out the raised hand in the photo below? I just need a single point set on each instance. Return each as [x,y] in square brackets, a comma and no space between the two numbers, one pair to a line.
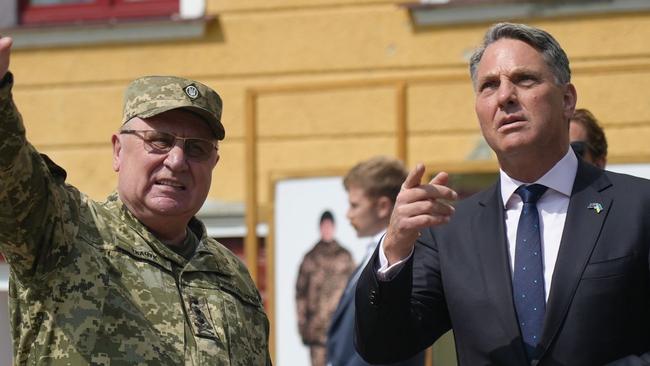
[417,206]
[5,50]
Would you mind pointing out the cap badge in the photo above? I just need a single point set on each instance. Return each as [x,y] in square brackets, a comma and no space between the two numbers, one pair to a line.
[192,91]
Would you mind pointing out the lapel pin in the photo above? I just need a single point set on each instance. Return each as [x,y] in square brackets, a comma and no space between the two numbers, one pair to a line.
[596,206]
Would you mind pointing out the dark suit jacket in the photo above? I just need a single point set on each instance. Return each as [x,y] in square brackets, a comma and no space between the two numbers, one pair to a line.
[340,338]
[459,277]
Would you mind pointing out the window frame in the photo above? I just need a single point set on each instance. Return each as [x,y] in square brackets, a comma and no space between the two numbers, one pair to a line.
[97,10]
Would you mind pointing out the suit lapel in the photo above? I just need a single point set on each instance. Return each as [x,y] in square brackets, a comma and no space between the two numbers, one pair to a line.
[344,302]
[495,260]
[581,230]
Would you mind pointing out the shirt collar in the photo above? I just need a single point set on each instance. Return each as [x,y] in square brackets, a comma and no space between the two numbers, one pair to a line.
[560,178]
[375,240]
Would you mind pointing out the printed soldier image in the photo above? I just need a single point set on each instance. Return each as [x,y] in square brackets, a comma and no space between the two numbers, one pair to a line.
[134,280]
[322,276]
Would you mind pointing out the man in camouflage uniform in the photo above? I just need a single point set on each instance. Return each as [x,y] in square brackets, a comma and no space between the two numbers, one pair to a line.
[322,276]
[134,280]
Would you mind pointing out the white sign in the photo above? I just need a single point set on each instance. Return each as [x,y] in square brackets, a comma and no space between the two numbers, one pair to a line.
[299,204]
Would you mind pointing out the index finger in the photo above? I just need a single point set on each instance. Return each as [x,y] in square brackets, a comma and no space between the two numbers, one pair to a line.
[5,49]
[5,42]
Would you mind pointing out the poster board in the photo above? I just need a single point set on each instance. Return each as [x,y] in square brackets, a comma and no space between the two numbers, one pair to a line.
[298,205]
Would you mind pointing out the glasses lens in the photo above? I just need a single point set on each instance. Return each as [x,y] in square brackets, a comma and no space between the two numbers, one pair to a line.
[198,149]
[579,147]
[159,140]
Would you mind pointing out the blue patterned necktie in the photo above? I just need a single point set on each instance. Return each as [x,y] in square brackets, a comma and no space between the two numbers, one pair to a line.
[528,278]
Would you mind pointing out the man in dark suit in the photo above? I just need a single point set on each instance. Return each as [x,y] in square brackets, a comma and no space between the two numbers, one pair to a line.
[372,186]
[549,266]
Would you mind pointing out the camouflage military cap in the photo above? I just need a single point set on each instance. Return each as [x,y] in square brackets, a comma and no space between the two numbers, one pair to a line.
[151,95]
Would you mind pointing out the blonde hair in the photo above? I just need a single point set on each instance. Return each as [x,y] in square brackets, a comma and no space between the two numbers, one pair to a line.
[380,176]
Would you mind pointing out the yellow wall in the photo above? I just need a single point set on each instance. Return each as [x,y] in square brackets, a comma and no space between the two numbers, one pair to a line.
[71,96]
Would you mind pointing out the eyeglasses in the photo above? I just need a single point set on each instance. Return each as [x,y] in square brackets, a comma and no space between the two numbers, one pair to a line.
[159,142]
[580,148]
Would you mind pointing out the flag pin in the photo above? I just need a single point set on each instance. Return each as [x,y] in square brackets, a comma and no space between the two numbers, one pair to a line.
[596,207]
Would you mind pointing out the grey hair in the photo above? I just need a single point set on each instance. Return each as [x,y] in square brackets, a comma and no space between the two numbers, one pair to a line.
[539,39]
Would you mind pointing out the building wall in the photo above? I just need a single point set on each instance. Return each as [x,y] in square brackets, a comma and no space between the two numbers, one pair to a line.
[326,75]
[8,13]
[70,96]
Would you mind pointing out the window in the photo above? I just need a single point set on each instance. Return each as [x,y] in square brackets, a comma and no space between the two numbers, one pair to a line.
[73,11]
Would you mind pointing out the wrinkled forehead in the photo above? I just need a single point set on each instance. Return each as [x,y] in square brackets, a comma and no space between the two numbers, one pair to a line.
[509,54]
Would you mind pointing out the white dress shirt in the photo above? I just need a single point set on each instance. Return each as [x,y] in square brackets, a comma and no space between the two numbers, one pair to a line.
[371,246]
[552,207]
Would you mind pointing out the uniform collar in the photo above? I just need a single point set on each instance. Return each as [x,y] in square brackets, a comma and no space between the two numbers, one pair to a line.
[206,259]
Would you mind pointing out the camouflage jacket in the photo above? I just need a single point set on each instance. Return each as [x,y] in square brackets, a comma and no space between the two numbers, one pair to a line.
[90,285]
[322,277]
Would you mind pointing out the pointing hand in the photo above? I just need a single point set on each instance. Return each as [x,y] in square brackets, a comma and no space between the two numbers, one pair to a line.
[417,206]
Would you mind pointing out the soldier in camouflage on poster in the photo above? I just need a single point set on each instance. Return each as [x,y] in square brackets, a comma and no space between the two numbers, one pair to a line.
[322,276]
[134,280]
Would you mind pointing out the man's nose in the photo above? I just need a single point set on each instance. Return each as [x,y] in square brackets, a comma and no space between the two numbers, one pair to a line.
[176,159]
[507,94]
[348,214]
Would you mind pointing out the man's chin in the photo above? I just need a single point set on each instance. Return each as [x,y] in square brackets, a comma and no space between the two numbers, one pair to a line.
[169,207]
[513,145]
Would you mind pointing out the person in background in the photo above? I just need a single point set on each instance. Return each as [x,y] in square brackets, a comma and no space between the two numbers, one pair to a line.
[549,266]
[134,280]
[323,273]
[588,138]
[372,186]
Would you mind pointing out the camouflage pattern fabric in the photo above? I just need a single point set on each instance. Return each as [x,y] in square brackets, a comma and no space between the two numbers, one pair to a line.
[90,285]
[322,277]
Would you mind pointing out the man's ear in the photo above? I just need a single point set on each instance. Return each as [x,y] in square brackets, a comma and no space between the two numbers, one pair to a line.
[570,100]
[384,207]
[117,149]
